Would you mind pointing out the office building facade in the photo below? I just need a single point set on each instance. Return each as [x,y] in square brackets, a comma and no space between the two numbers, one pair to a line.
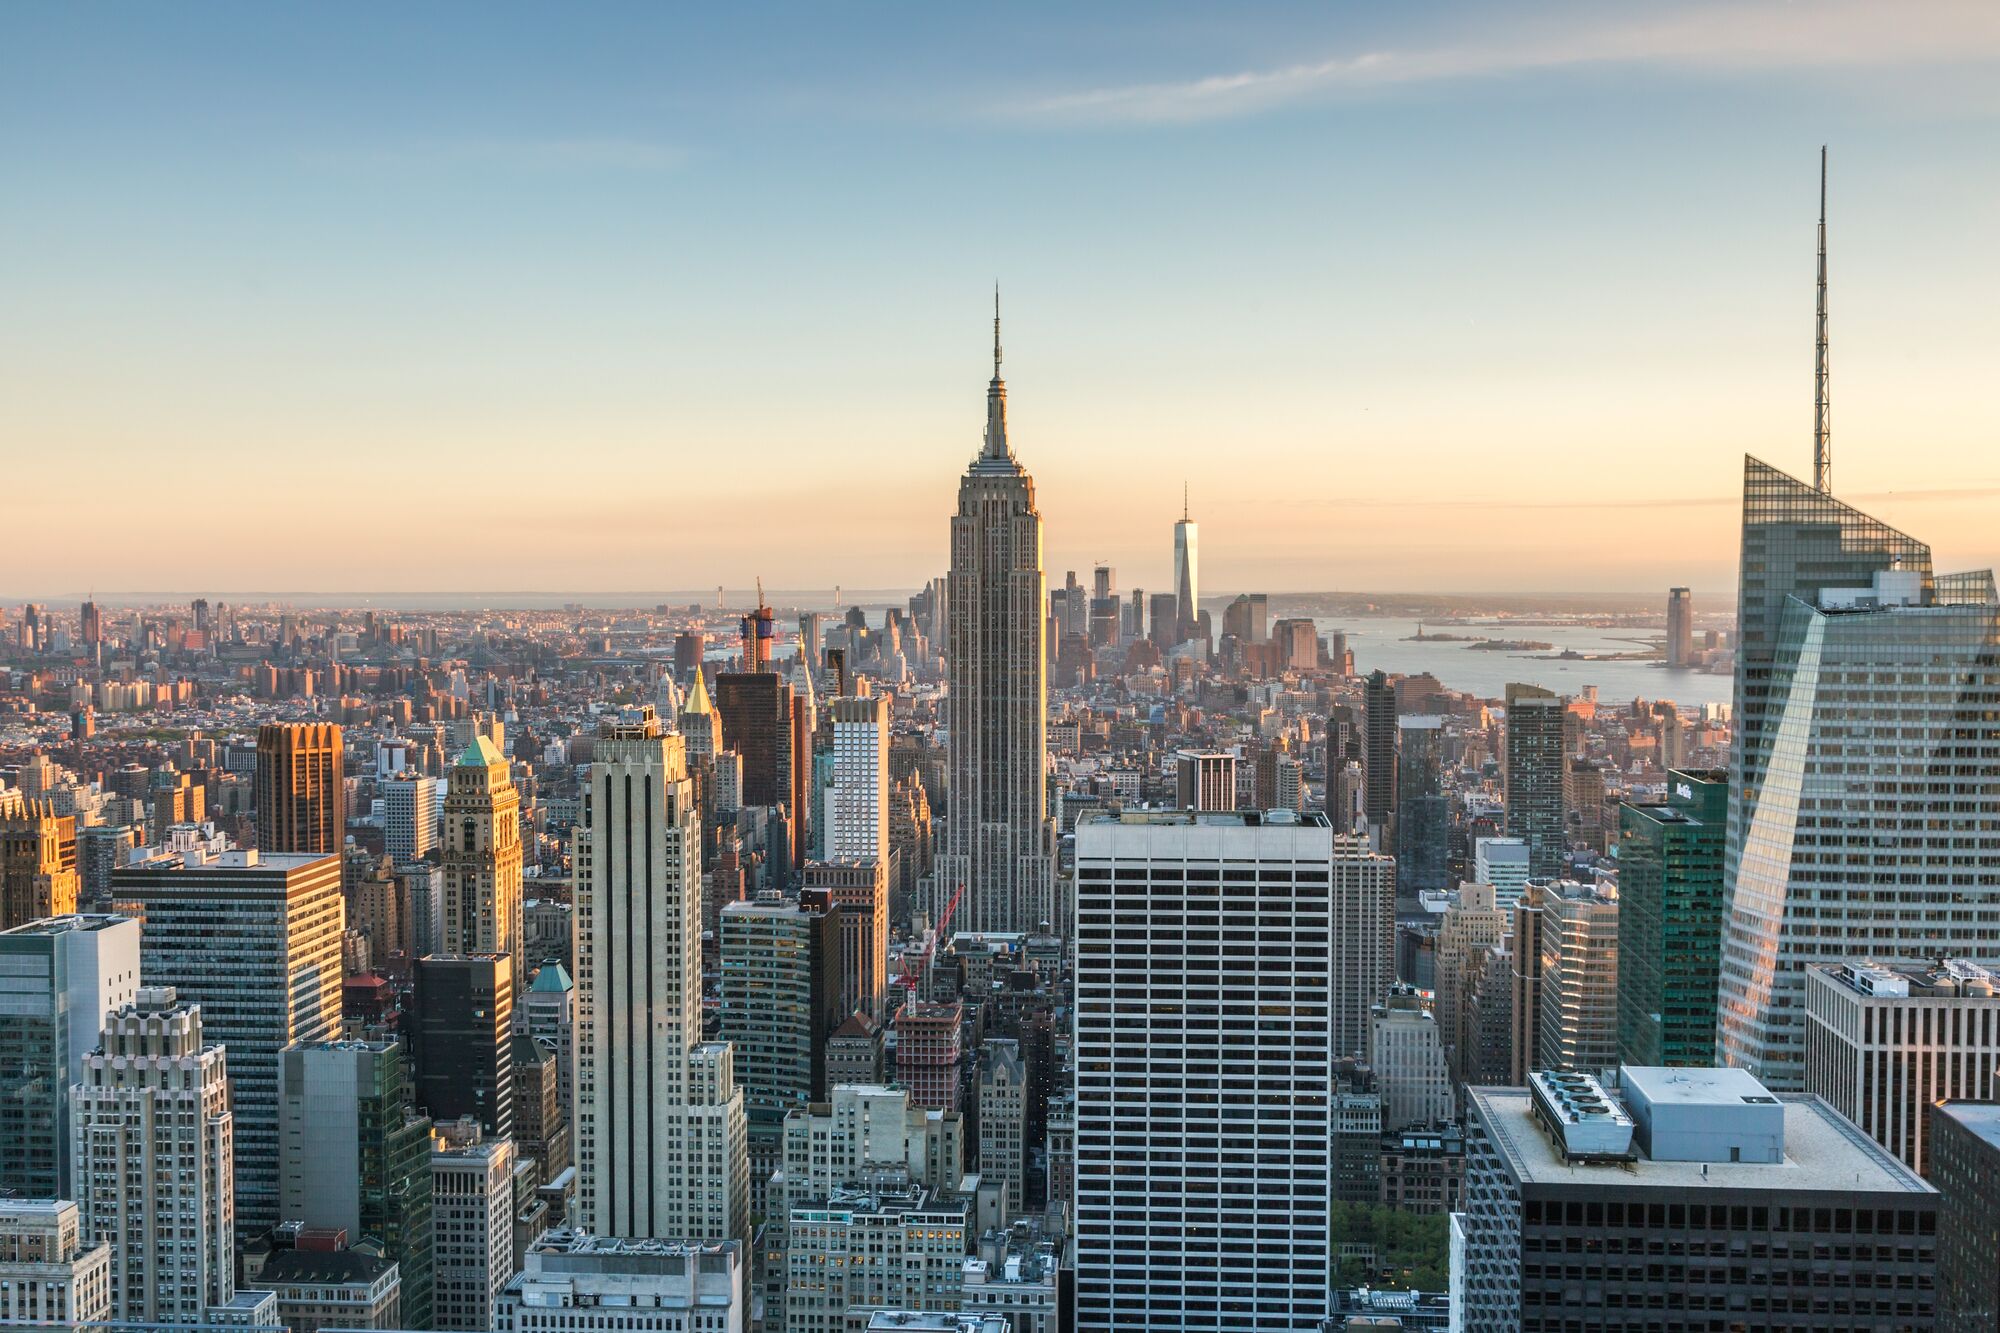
[1865,747]
[1363,913]
[1535,769]
[38,862]
[48,1274]
[301,785]
[60,979]
[1578,1022]
[355,1156]
[1670,921]
[155,1161]
[253,938]
[1423,814]
[1698,1202]
[1965,1168]
[660,1135]
[1202,1135]
[860,892]
[1886,1042]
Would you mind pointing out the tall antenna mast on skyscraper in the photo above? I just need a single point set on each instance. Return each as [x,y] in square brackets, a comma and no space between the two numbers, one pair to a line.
[1184,500]
[996,330]
[1822,432]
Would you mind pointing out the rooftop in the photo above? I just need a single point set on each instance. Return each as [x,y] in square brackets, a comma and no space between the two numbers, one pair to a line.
[1693,1087]
[62,925]
[481,753]
[1980,1118]
[321,1268]
[1943,978]
[1214,818]
[1823,1151]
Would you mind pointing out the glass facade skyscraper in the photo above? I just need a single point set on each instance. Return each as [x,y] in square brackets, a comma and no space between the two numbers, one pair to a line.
[1423,815]
[1866,762]
[1536,762]
[1670,922]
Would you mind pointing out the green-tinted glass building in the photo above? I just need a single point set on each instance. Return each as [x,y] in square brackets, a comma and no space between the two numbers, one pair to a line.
[354,1154]
[1670,922]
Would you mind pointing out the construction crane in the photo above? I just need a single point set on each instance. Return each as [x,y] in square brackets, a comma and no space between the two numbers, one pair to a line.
[914,969]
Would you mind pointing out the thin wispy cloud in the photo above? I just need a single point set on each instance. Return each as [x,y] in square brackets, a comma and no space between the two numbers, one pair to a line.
[1834,35]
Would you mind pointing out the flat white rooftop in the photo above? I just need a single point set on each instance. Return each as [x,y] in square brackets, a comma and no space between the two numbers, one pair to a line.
[1695,1087]
[1823,1151]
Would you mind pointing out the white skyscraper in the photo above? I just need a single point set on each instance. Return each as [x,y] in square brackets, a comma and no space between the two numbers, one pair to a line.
[156,1162]
[660,1133]
[1364,938]
[409,817]
[1503,863]
[1203,1121]
[857,817]
[998,843]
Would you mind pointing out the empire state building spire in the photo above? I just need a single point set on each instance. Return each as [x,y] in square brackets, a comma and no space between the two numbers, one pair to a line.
[996,396]
[998,846]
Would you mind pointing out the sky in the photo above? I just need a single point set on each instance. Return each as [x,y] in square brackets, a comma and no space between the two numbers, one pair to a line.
[524,297]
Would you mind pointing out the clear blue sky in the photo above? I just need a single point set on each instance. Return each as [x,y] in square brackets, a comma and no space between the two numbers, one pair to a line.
[645,296]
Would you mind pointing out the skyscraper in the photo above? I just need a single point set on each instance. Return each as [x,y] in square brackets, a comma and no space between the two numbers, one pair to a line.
[155,1155]
[1680,628]
[472,1203]
[354,1154]
[1187,574]
[38,874]
[63,978]
[857,816]
[461,1027]
[409,819]
[782,998]
[1865,762]
[1205,781]
[1363,907]
[1378,759]
[998,844]
[301,788]
[1887,1042]
[860,889]
[1687,1199]
[660,1138]
[1579,978]
[482,856]
[699,725]
[1423,815]
[1670,922]
[1534,773]
[254,939]
[1202,1202]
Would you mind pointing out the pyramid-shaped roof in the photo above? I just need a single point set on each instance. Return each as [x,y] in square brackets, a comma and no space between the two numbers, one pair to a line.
[697,695]
[482,753]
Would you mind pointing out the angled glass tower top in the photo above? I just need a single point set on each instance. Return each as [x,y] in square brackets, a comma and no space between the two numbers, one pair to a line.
[1865,768]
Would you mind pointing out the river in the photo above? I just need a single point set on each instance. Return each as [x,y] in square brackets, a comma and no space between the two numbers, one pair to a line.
[1385,643]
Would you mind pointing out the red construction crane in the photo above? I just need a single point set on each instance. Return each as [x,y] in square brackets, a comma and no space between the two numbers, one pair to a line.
[913,969]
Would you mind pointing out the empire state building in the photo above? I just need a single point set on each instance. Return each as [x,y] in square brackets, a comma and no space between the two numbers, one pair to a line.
[998,844]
